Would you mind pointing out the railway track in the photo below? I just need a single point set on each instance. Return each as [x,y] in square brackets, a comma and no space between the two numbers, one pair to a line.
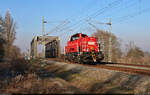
[130,68]
[147,66]
[143,71]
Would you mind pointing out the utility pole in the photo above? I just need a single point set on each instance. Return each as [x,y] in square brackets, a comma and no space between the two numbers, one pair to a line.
[43,36]
[110,42]
[110,38]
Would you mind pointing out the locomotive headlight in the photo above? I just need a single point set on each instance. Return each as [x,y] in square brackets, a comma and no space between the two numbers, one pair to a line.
[98,49]
[91,43]
[87,49]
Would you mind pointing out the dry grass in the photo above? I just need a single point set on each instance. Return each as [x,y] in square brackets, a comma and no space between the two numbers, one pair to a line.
[19,66]
[24,78]
[33,84]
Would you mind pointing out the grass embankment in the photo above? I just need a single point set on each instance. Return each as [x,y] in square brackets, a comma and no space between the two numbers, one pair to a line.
[37,76]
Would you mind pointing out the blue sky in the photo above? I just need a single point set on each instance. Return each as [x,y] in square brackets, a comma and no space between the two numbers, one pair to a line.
[28,15]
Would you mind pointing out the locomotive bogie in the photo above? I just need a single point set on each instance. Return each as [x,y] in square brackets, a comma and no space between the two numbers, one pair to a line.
[84,57]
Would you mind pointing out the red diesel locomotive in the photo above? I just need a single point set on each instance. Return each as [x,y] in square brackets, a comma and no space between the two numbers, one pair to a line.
[83,49]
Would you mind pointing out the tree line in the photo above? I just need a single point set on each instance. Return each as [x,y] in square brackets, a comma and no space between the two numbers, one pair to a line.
[7,37]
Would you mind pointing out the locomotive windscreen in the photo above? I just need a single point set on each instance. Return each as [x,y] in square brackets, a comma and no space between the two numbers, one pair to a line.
[76,36]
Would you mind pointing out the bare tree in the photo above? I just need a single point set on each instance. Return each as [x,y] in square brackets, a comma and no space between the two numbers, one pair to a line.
[146,58]
[15,52]
[134,54]
[10,33]
[2,37]
[103,37]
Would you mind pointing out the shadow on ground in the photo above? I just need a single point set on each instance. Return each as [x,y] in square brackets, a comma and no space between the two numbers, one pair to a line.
[58,72]
[117,83]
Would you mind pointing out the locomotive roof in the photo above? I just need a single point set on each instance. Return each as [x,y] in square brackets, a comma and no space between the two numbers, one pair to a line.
[78,34]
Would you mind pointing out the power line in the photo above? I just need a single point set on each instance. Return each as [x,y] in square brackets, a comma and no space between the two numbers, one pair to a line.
[58,27]
[109,6]
[124,18]
[116,2]
[124,6]
[89,4]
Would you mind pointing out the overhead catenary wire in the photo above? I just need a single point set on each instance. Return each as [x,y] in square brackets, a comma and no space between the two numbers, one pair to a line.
[116,2]
[89,4]
[99,10]
[120,9]
[109,6]
[127,17]
[58,27]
